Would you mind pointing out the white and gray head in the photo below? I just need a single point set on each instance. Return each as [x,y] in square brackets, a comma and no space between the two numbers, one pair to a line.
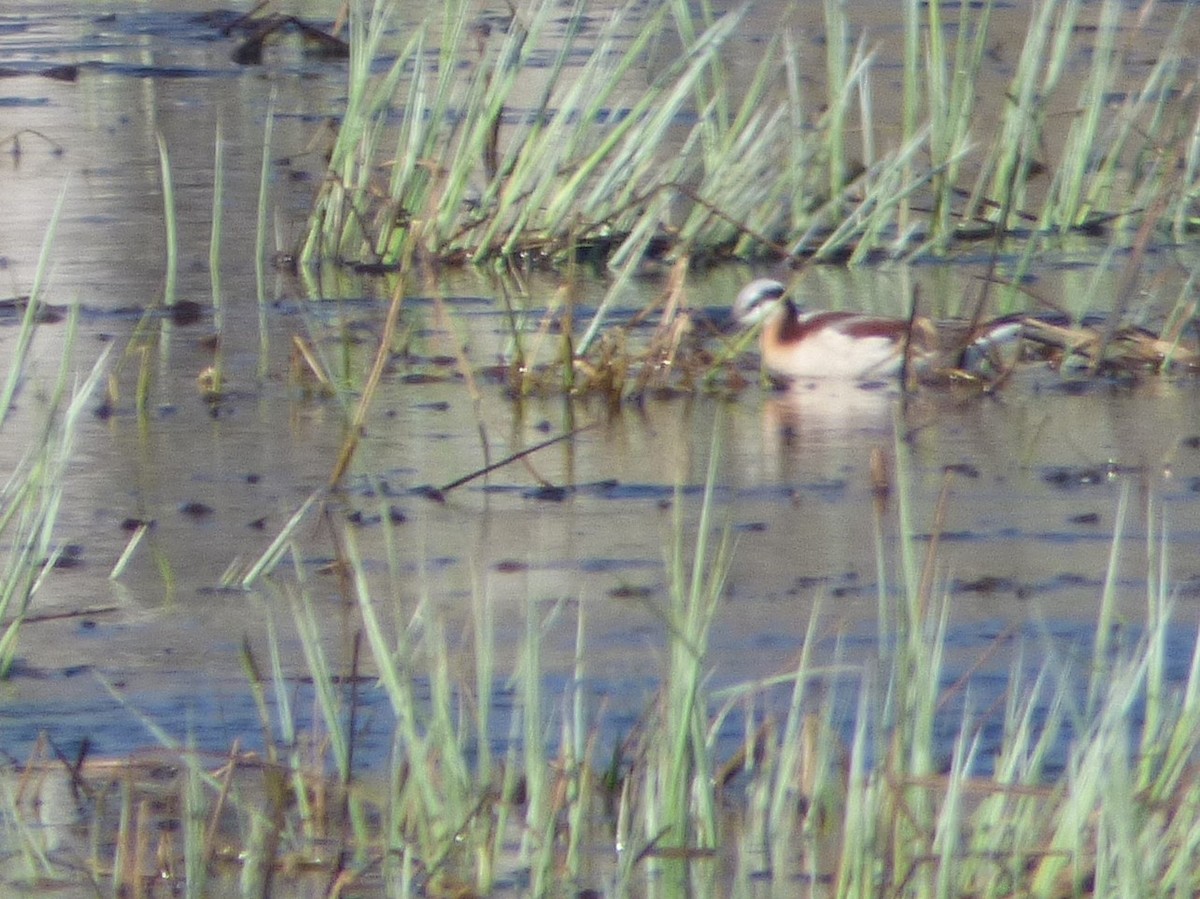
[757,300]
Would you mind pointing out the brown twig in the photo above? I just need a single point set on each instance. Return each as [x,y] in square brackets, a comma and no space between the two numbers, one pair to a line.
[358,421]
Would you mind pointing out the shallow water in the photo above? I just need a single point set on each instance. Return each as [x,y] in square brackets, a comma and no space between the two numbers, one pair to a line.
[1035,474]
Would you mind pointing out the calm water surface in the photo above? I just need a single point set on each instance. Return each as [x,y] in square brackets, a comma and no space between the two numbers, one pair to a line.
[1036,472]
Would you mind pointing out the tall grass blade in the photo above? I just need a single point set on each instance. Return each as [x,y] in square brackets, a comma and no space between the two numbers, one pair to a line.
[20,352]
[218,217]
[263,217]
[169,217]
[273,553]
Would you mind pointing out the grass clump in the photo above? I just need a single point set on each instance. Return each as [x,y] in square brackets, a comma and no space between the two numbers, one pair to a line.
[32,492]
[527,138]
[30,501]
[573,172]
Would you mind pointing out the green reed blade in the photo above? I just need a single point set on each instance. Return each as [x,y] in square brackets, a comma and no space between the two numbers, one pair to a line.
[218,217]
[264,201]
[172,227]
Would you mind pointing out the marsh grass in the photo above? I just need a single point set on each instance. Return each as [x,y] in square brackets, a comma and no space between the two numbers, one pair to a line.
[170,224]
[32,492]
[856,776]
[30,500]
[484,167]
[16,370]
[532,143]
[1091,788]
[218,220]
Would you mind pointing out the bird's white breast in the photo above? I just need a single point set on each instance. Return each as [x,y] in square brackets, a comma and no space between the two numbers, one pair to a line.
[828,353]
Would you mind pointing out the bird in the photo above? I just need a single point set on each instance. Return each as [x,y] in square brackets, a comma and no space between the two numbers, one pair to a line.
[854,346]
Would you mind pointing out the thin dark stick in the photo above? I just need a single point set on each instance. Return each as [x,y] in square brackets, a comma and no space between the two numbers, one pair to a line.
[487,469]
[242,20]
[74,613]
[907,346]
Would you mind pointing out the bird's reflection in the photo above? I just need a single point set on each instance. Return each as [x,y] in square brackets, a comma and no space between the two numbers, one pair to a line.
[829,414]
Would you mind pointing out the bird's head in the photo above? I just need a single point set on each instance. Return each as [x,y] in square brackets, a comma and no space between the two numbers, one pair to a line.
[757,300]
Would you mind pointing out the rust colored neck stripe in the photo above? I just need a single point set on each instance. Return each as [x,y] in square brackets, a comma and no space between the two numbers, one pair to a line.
[793,329]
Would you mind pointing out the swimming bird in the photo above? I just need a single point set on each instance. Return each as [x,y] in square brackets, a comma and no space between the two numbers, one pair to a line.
[854,346]
[847,345]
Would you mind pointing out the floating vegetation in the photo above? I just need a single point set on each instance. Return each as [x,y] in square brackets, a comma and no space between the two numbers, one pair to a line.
[456,151]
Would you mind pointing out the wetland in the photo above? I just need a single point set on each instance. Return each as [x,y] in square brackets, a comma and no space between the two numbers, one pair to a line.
[533,616]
